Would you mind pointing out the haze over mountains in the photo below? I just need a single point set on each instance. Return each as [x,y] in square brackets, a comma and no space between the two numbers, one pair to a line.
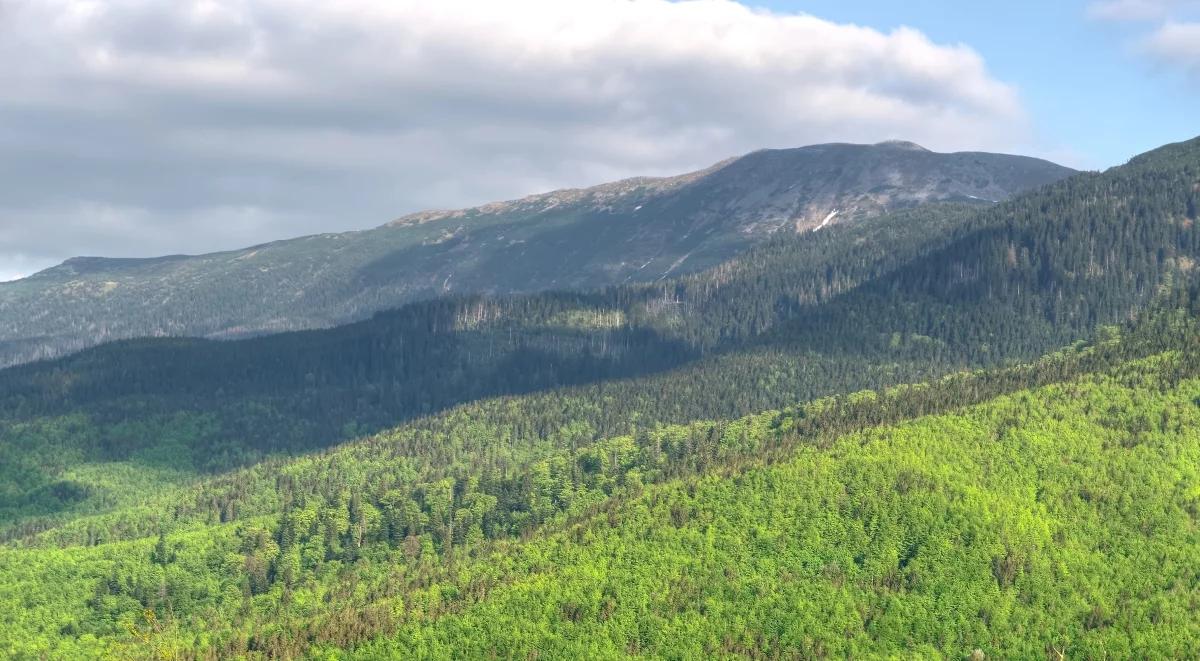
[636,230]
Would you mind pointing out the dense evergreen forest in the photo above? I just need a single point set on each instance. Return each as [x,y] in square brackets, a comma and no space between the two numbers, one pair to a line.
[885,438]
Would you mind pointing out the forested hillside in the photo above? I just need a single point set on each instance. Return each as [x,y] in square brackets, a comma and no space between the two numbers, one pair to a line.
[952,428]
[176,409]
[638,230]
[1051,522]
[1019,526]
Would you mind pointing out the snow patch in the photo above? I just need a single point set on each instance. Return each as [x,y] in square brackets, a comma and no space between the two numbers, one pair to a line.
[827,219]
[676,265]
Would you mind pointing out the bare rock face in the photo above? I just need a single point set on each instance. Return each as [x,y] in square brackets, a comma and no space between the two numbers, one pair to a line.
[640,229]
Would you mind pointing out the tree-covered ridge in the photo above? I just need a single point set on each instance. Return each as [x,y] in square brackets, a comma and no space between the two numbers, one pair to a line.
[357,548]
[511,434]
[1054,522]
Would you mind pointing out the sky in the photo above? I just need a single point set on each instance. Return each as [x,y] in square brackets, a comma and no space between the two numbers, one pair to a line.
[140,127]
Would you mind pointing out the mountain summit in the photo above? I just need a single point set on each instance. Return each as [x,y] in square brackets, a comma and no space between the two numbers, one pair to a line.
[640,229]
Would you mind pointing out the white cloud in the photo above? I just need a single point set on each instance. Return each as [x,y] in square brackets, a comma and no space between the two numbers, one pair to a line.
[1136,10]
[1177,44]
[1175,41]
[149,117]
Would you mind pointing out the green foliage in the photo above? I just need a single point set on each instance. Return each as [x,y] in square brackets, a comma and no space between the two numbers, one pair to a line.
[1056,521]
[652,542]
[59,467]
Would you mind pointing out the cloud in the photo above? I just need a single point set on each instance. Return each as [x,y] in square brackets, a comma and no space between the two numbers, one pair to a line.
[1137,10]
[16,267]
[1177,44]
[140,127]
[1176,39]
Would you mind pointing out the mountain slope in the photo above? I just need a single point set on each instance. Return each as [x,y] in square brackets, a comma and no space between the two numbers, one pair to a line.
[162,410]
[1047,266]
[799,317]
[950,285]
[833,528]
[629,231]
[1052,521]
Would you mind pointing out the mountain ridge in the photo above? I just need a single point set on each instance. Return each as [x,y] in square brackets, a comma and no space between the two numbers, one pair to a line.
[614,189]
[634,230]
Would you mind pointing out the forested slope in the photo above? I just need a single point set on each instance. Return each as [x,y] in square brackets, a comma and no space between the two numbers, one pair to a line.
[159,412]
[1055,521]
[1018,526]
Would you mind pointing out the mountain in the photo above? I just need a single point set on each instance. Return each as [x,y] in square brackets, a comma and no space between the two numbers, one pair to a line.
[953,428]
[637,230]
[911,295]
